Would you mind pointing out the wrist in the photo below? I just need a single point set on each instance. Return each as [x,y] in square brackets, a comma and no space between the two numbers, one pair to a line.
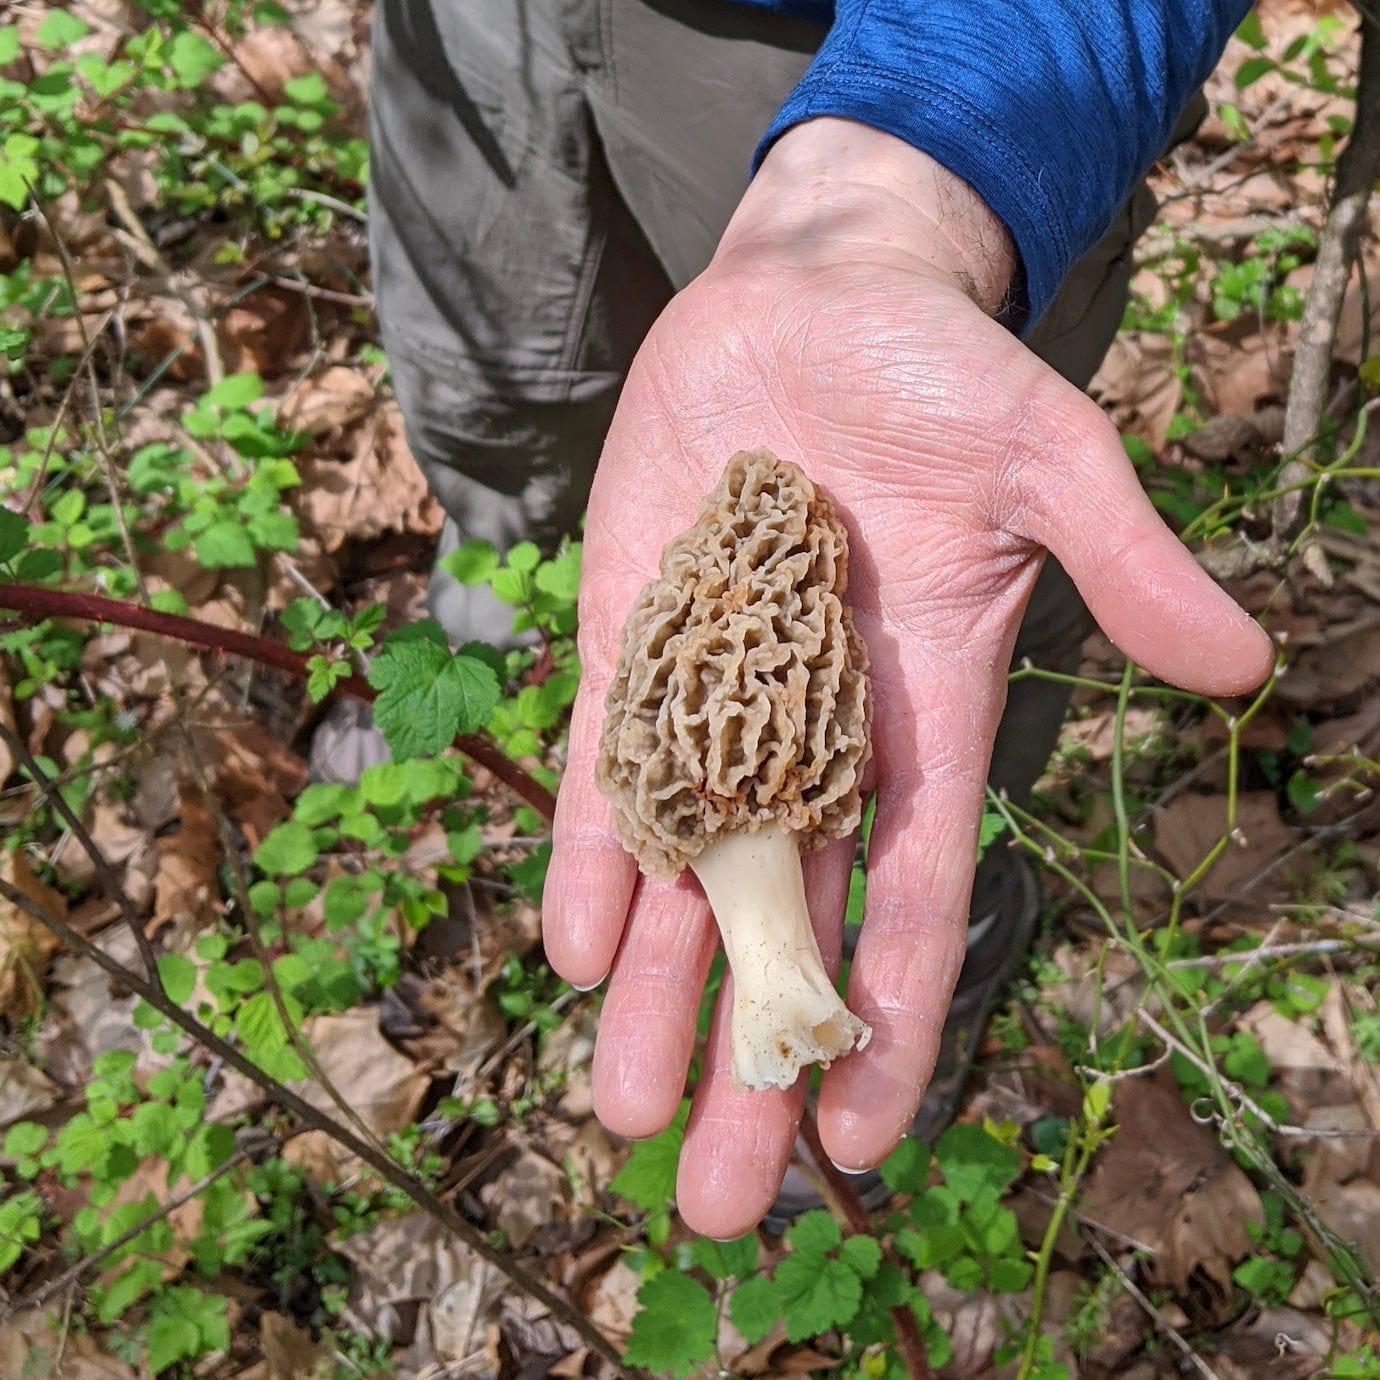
[831,186]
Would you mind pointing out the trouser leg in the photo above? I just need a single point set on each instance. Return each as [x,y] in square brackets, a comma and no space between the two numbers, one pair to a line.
[513,287]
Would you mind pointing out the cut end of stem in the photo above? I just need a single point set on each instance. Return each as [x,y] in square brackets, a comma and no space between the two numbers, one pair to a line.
[786,1014]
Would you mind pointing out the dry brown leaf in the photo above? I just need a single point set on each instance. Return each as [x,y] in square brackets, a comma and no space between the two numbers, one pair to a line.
[1138,387]
[25,944]
[1335,672]
[530,1195]
[97,1020]
[291,1352]
[254,775]
[263,333]
[1237,368]
[414,1259]
[1165,1182]
[614,1301]
[1187,828]
[335,400]
[377,489]
[32,1341]
[382,1087]
[185,888]
[1338,1026]
[24,1089]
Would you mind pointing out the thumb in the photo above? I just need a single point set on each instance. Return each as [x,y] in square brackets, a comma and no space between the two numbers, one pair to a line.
[1083,501]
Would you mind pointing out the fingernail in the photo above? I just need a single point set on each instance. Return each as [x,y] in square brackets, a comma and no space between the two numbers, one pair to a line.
[844,1169]
[589,987]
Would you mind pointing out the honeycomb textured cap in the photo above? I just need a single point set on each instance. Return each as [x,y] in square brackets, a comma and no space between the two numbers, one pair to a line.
[741,693]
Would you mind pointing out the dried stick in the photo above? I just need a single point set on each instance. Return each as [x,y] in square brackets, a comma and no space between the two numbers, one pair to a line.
[387,1169]
[1357,168]
[37,603]
[1158,1318]
[844,1200]
[44,1292]
[104,871]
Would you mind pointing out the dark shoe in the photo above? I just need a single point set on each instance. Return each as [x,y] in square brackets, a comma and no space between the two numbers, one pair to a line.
[998,942]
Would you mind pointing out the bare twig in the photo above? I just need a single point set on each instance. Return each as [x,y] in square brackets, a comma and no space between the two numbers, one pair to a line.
[1357,168]
[387,1169]
[70,1276]
[37,603]
[104,871]
[1158,1318]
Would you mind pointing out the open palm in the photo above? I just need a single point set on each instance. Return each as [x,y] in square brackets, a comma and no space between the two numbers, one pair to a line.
[955,459]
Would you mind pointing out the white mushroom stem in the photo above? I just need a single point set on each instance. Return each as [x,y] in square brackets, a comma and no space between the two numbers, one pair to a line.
[786,1013]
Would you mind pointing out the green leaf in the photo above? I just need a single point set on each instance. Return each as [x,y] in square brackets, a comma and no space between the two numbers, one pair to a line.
[258,1024]
[171,1338]
[192,59]
[525,556]
[674,1330]
[225,545]
[14,534]
[385,783]
[814,1232]
[288,849]
[735,1259]
[755,1308]
[973,1161]
[1009,1276]
[427,694]
[816,1294]
[309,89]
[24,1138]
[234,392]
[907,1168]
[9,43]
[325,800]
[862,1255]
[989,826]
[560,577]
[1252,70]
[471,563]
[649,1176]
[177,972]
[60,30]
[18,169]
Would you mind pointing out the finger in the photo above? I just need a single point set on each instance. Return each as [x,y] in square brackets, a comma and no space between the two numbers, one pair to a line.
[738,1142]
[647,1025]
[1140,582]
[932,737]
[590,880]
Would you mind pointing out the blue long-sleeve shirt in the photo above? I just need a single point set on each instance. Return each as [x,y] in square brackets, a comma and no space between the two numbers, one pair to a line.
[1051,109]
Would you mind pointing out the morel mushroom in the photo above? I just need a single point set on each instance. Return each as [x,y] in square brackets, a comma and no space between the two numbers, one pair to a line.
[735,738]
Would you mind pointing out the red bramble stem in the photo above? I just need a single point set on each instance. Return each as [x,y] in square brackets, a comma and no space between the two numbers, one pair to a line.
[35,603]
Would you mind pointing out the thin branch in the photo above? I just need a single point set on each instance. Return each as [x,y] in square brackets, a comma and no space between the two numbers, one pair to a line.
[1158,1318]
[70,1276]
[37,603]
[387,1169]
[72,820]
[1357,168]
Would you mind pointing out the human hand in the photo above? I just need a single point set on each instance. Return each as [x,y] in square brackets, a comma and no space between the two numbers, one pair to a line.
[843,325]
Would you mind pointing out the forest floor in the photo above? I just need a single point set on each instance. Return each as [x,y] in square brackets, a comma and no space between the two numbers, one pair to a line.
[197,417]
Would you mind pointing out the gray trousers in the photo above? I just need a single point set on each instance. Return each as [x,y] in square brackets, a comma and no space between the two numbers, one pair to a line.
[545,174]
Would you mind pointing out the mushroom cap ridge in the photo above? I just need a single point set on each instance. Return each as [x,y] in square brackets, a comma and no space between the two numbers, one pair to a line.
[741,692]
